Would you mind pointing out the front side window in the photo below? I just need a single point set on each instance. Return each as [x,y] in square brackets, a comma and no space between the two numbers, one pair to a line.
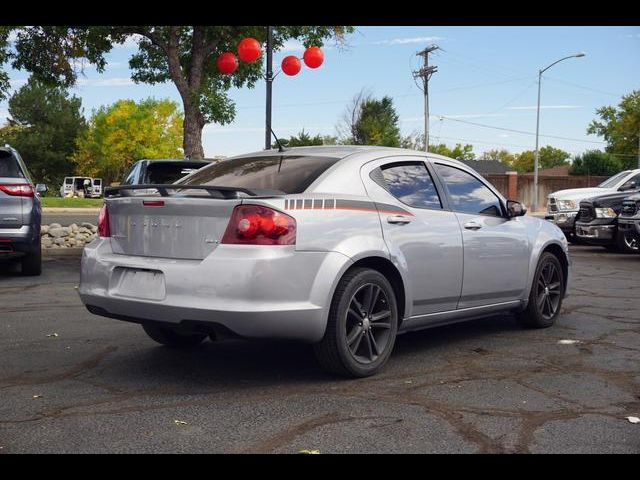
[467,193]
[632,183]
[611,182]
[410,183]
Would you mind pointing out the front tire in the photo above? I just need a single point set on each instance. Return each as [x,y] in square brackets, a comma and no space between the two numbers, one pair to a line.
[172,338]
[627,243]
[362,325]
[545,298]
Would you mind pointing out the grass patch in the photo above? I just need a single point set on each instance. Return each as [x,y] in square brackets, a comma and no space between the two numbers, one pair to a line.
[71,202]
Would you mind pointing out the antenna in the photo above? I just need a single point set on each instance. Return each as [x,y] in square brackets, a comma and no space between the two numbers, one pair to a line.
[280,147]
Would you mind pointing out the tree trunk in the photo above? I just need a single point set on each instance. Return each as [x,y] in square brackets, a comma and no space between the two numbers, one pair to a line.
[192,132]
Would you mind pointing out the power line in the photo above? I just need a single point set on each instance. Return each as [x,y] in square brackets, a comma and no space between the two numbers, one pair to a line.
[517,131]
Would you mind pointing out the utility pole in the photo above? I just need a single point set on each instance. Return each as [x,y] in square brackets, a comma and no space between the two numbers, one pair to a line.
[638,151]
[269,79]
[425,73]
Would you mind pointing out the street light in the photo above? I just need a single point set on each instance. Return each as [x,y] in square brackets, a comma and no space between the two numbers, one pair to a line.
[535,166]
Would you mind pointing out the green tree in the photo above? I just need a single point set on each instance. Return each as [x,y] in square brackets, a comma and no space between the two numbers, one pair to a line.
[122,133]
[596,162]
[501,155]
[620,127]
[549,157]
[458,152]
[304,139]
[369,121]
[44,124]
[184,55]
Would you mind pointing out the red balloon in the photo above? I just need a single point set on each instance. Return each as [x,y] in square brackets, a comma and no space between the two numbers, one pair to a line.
[313,57]
[249,50]
[291,65]
[227,63]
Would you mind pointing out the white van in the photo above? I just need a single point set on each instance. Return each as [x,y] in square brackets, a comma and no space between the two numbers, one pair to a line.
[81,187]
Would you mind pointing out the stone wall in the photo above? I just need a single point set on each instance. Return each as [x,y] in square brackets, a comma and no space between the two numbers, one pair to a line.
[73,236]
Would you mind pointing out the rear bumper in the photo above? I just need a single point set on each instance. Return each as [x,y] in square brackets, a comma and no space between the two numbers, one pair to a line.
[15,242]
[255,292]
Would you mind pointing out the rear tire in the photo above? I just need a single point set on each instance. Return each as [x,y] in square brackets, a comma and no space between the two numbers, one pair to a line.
[547,290]
[627,243]
[172,338]
[32,262]
[362,325]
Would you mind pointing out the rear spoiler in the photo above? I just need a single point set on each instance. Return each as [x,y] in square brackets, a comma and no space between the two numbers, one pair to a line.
[164,189]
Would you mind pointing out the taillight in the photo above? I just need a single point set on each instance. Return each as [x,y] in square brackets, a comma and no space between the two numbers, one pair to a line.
[258,225]
[103,222]
[17,190]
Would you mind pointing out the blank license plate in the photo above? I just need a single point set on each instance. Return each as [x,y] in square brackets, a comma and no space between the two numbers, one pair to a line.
[135,283]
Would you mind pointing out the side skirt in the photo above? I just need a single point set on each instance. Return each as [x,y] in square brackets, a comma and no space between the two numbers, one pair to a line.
[437,319]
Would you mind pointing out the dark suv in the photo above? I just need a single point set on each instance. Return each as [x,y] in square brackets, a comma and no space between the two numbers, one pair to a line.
[597,222]
[20,213]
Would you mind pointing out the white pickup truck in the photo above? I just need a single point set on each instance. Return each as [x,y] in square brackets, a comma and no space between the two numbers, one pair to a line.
[563,205]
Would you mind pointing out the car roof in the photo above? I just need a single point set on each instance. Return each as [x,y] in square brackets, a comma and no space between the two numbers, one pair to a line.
[343,151]
[177,160]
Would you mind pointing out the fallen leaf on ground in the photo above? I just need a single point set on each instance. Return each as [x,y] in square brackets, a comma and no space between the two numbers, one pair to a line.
[568,342]
[52,335]
[408,381]
[37,396]
[179,422]
[310,452]
[633,419]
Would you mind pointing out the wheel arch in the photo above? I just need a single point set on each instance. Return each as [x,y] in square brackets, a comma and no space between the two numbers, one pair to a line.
[391,273]
[557,250]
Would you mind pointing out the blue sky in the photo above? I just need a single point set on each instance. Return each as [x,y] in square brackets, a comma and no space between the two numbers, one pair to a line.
[485,75]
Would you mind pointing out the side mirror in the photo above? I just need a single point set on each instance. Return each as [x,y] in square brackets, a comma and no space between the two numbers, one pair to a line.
[515,209]
[41,188]
[628,186]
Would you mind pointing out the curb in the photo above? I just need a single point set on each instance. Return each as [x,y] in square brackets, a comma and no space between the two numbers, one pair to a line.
[62,252]
[95,210]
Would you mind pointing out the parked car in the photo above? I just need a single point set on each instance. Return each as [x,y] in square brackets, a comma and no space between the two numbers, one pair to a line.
[597,222]
[563,205]
[342,247]
[20,213]
[161,171]
[81,186]
[629,221]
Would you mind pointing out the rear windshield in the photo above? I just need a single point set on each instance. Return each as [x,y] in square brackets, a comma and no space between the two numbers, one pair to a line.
[286,174]
[167,172]
[9,166]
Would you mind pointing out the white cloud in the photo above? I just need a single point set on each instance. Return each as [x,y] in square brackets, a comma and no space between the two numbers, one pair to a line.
[4,114]
[131,43]
[292,46]
[105,82]
[633,35]
[409,40]
[549,107]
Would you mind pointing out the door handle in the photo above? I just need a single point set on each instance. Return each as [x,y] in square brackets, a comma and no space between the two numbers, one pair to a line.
[399,219]
[472,225]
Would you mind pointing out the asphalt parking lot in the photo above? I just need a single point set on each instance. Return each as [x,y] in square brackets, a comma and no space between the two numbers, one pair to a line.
[102,385]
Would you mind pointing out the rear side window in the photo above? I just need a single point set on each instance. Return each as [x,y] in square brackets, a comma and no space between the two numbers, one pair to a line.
[467,193]
[68,181]
[410,183]
[286,174]
[9,167]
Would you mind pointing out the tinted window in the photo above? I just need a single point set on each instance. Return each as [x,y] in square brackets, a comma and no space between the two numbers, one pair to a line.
[167,172]
[9,166]
[467,193]
[411,184]
[611,182]
[130,179]
[632,183]
[287,174]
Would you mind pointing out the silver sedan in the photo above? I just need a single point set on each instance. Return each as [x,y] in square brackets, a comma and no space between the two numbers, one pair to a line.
[342,247]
